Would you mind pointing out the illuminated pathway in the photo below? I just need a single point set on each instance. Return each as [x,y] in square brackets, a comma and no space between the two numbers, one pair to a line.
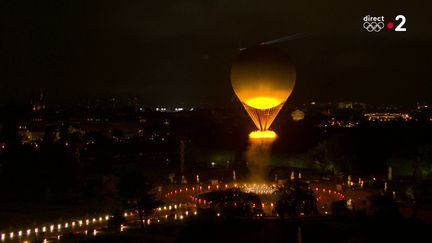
[54,231]
[179,203]
[90,226]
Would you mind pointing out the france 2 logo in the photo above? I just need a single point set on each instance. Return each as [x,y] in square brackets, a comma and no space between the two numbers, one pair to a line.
[376,24]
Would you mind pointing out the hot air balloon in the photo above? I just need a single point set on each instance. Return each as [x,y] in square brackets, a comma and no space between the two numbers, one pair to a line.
[263,78]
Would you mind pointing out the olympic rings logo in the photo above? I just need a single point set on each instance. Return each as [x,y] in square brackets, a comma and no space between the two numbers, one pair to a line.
[373,26]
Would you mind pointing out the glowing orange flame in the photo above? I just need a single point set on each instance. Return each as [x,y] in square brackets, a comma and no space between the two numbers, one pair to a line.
[267,134]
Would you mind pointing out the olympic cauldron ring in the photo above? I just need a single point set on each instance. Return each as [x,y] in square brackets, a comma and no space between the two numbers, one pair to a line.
[373,26]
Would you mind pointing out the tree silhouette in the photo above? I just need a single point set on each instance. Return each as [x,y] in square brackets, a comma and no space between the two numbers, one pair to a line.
[137,194]
[116,219]
[234,202]
[385,206]
[295,199]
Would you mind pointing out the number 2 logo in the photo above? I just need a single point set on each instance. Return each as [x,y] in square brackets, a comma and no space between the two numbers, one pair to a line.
[401,24]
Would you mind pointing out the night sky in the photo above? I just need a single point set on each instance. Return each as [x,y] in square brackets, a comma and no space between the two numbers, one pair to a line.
[168,52]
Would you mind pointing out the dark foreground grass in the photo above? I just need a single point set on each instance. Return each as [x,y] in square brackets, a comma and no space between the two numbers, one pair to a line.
[347,230]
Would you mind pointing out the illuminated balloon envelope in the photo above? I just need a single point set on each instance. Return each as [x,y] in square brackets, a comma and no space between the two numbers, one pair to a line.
[263,78]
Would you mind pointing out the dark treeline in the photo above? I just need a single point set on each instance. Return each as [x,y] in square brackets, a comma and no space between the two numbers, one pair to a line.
[78,163]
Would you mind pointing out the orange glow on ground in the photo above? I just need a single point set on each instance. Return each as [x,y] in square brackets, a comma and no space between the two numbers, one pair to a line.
[263,102]
[267,134]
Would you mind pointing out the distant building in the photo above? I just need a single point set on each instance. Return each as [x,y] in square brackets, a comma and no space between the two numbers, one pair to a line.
[345,105]
[386,116]
[297,115]
[351,105]
[39,104]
